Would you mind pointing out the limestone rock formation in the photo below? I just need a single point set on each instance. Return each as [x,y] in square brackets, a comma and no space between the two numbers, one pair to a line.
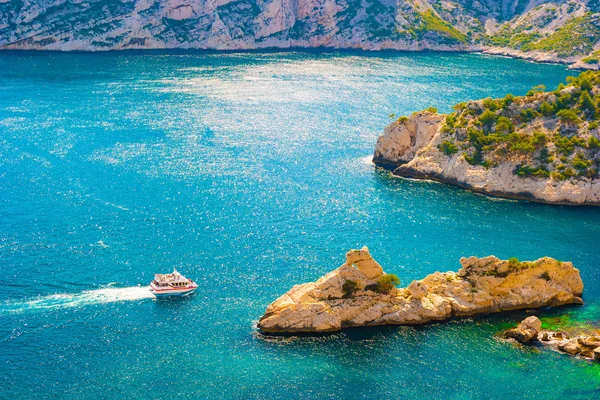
[583,345]
[518,147]
[401,140]
[482,285]
[535,30]
[527,330]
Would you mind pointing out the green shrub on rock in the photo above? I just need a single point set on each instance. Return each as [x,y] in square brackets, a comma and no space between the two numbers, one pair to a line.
[448,148]
[385,283]
[546,109]
[568,116]
[349,287]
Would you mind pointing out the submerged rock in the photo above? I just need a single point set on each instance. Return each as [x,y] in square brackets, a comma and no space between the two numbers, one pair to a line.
[529,331]
[482,285]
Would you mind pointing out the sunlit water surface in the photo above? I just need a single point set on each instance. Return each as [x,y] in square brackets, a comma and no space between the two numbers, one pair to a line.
[250,173]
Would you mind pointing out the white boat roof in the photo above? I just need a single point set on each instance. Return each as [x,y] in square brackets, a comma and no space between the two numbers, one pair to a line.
[169,278]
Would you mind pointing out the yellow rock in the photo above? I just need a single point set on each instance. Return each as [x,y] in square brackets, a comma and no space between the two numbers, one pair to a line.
[482,285]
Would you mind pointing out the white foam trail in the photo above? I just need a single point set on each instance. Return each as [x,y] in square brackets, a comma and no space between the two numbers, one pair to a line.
[85,298]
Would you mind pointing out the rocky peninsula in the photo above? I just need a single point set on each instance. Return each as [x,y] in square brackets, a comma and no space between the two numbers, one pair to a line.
[360,293]
[542,147]
[583,345]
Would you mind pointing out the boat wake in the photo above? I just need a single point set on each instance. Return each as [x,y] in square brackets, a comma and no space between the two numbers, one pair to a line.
[72,300]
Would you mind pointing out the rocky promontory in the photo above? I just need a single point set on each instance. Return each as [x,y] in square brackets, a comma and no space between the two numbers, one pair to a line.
[584,344]
[542,147]
[360,293]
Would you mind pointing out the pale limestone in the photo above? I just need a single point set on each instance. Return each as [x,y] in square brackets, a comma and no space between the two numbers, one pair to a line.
[482,285]
[424,160]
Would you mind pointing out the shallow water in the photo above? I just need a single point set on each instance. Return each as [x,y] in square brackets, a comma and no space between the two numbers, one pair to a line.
[250,172]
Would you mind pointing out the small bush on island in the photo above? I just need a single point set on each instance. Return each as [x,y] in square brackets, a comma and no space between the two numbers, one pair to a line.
[585,84]
[545,276]
[349,288]
[527,171]
[581,163]
[508,100]
[402,119]
[546,109]
[587,104]
[536,89]
[528,114]
[384,284]
[504,125]
[488,118]
[448,148]
[568,116]
[432,110]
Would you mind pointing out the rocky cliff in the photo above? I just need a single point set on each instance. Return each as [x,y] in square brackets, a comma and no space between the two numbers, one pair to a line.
[358,294]
[549,30]
[541,147]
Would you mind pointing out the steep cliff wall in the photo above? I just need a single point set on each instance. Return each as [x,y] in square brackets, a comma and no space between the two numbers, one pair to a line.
[510,26]
[543,147]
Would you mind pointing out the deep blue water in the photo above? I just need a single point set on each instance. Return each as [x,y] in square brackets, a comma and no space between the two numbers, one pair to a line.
[250,173]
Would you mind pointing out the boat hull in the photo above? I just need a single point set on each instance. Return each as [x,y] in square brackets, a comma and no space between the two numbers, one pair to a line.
[172,292]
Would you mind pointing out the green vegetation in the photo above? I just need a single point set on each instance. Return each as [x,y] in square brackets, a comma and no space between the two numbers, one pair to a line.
[593,58]
[513,38]
[349,288]
[448,148]
[545,276]
[385,283]
[430,22]
[547,134]
[577,36]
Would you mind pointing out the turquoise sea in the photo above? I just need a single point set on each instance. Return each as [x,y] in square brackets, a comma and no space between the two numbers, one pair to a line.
[250,172]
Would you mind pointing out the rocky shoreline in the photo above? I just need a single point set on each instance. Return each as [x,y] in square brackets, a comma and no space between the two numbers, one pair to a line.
[534,32]
[530,332]
[360,293]
[543,147]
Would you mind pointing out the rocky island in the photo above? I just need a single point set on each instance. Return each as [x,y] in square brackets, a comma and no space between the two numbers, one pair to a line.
[542,147]
[360,293]
[584,345]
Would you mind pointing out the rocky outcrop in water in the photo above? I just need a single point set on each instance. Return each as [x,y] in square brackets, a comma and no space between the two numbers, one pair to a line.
[536,29]
[353,294]
[543,147]
[583,345]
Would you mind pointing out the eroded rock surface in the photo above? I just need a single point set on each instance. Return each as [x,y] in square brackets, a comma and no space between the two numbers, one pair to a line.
[482,285]
[498,158]
[456,25]
[583,345]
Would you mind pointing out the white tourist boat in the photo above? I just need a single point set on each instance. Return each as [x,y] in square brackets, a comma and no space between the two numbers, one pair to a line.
[173,284]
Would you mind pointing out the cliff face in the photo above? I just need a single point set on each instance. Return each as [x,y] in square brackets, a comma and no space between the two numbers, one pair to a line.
[507,25]
[482,285]
[543,147]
